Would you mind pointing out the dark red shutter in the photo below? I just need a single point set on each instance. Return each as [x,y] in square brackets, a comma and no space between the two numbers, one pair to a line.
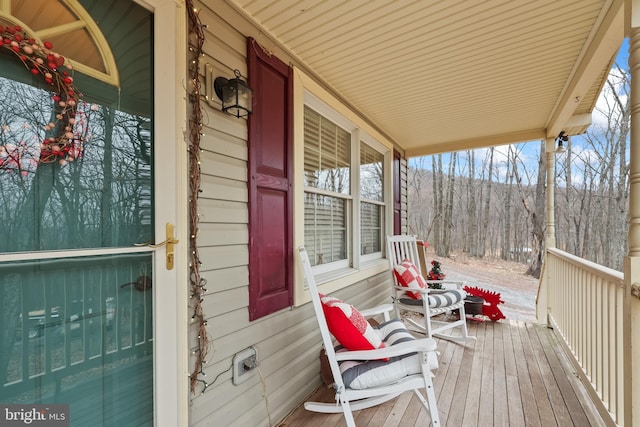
[397,194]
[270,183]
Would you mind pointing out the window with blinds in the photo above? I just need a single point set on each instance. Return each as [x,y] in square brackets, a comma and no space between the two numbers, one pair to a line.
[371,199]
[327,154]
[327,178]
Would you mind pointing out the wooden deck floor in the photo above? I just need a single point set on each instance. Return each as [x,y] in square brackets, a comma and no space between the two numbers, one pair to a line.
[515,375]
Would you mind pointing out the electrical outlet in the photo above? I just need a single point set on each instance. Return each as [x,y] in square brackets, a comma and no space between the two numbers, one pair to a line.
[244,364]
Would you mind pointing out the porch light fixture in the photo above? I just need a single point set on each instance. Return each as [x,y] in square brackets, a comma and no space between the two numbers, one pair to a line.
[561,139]
[236,96]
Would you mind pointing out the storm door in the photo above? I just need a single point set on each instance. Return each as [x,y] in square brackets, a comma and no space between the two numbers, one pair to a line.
[76,208]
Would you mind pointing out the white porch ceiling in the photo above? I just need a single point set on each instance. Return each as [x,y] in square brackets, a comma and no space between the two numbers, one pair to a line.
[447,75]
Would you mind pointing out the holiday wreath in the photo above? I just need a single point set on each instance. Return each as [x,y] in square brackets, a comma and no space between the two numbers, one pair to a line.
[62,141]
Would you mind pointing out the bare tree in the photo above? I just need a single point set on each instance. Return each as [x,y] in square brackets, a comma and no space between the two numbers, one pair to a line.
[591,194]
[438,220]
[595,206]
[471,242]
[445,248]
[487,203]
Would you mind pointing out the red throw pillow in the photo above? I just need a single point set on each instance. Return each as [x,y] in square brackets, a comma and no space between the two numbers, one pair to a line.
[348,325]
[408,276]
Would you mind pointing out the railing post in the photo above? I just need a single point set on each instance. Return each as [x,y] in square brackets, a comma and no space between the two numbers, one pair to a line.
[632,261]
[631,338]
[543,307]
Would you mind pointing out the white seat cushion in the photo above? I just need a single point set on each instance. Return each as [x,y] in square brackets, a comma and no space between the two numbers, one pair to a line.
[361,375]
[439,298]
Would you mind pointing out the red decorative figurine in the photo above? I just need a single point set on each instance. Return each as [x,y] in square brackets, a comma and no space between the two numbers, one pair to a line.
[491,298]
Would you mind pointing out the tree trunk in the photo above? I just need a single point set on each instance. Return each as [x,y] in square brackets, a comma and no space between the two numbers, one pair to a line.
[471,239]
[445,248]
[436,238]
[487,206]
[507,213]
[538,217]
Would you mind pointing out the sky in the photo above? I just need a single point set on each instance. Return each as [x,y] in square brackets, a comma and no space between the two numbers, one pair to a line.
[529,151]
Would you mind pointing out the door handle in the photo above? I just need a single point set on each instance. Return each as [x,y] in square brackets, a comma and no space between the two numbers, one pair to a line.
[169,242]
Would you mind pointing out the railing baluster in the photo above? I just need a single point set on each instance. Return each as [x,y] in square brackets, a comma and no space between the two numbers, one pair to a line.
[588,310]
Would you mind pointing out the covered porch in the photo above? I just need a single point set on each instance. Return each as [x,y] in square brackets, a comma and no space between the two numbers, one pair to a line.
[474,82]
[516,374]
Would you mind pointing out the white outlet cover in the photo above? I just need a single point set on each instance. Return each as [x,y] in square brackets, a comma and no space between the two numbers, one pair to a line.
[239,374]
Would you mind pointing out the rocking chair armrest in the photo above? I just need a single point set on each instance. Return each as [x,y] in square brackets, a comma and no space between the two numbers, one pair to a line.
[381,309]
[413,346]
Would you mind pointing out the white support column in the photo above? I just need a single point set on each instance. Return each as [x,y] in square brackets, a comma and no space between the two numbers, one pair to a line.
[634,161]
[550,234]
[542,304]
[631,333]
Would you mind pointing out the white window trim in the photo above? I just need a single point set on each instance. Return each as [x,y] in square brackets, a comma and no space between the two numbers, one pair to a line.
[308,92]
[386,199]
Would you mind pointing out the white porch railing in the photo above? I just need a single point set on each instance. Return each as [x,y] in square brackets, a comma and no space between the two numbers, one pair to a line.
[586,308]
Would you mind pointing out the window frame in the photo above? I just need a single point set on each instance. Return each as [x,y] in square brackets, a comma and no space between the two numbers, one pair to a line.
[333,276]
[386,196]
[327,113]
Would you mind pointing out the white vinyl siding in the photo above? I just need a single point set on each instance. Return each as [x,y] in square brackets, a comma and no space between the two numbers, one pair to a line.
[287,342]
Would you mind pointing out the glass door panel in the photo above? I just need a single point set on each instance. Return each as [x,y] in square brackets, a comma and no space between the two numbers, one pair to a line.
[78,331]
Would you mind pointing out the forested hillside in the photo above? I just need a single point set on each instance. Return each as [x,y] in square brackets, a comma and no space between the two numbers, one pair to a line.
[490,202]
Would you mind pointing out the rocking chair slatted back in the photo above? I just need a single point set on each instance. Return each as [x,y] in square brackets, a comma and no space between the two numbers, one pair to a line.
[404,247]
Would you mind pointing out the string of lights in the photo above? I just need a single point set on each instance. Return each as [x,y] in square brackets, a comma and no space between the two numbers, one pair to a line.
[197,282]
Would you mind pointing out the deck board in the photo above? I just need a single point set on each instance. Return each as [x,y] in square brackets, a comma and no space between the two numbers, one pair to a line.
[472,401]
[566,379]
[515,374]
[398,410]
[500,397]
[543,404]
[485,414]
[514,398]
[527,397]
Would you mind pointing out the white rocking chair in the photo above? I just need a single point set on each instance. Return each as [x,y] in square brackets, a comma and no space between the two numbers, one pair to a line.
[431,302]
[366,378]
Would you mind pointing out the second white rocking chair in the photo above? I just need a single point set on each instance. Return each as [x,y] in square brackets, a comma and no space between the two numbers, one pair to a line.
[366,378]
[429,303]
